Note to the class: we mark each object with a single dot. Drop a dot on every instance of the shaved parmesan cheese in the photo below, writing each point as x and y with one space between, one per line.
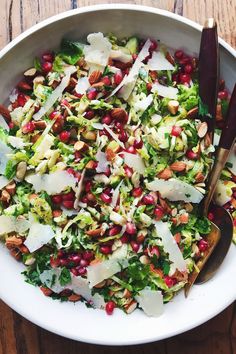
130 80
102 161
174 190
82 85
143 104
223 192
4 124
52 183
4 152
115 195
12 224
151 301
120 56
170 245
17 142
117 218
165 91
121 84
98 126
113 135
98 52
79 190
38 236
104 270
135 162
158 61
56 94
69 212
3 182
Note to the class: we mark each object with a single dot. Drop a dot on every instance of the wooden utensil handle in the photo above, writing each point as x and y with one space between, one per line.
228 134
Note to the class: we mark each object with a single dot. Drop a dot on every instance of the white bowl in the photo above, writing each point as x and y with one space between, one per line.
77 321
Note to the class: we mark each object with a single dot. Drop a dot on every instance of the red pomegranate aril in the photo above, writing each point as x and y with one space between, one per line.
124 238
64 262
149 86
54 262
68 204
57 199
202 245
138 144
153 45
190 154
128 171
118 77
84 263
137 192
176 130
188 69
84 199
46 66
21 99
210 216
64 136
108 171
82 271
158 212
185 60
154 251
54 115
88 255
89 114
223 95
76 258
60 254
28 128
68 196
71 171
131 149
123 137
175 77
107 119
184 78
11 125
115 230
130 228
105 249
88 186
92 94
148 199
75 271
110 306
106 80
169 281
48 56
135 246
179 54
106 198
78 156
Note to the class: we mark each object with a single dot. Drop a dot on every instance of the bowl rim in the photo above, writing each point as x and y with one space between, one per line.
35 28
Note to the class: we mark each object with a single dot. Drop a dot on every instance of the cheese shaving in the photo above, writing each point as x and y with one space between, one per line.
98 52
165 91
39 235
151 301
158 61
82 85
11 224
114 136
135 162
102 161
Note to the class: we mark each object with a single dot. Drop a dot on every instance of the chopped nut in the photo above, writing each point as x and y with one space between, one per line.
96 233
192 114
24 86
74 297
173 106
188 207
207 140
38 80
100 285
95 76
40 124
99 85
11 188
127 294
144 259
199 177
118 114
91 165
89 135
165 174
21 170
46 291
81 146
13 241
5 113
178 166
129 308
5 196
30 73
202 129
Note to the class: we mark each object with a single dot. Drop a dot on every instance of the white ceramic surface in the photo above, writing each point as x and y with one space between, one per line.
77 321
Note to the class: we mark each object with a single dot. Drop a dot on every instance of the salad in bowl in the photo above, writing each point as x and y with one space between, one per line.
103 165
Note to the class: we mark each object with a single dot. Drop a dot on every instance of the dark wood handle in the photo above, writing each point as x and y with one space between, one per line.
228 134
209 70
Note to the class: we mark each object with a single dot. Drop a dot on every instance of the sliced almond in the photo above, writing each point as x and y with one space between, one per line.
188 207
5 113
74 297
95 77
207 140
199 177
100 285
81 146
173 106
202 129
40 124
165 174
178 166
99 85
13 241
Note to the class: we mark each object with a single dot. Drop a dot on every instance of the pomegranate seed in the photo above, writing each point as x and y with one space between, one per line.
138 144
124 238
115 230
137 192
71 171
154 251
57 199
55 115
128 171
64 102
188 69
135 246
153 45
54 262
89 114
210 216
11 125
118 77
169 281
48 56
88 186
176 131
108 171
179 54
202 245
84 263
223 95
28 128
64 136
184 78
78 156
68 196
88 255
148 86
75 271
75 258
60 254
105 249
110 305
190 154
123 136
82 271
131 149
68 204
130 228
148 199
21 99
92 94
107 119
84 199
105 198
158 212
46 66
175 77
64 262
185 60
106 80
